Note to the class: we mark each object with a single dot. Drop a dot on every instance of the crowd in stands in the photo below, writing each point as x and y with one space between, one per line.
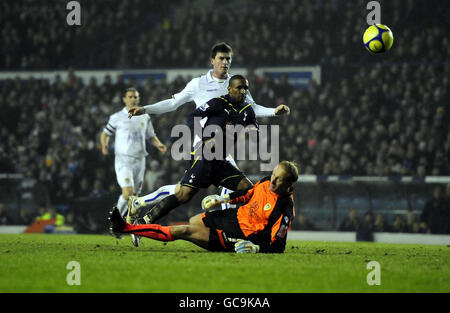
154 33
433 218
364 118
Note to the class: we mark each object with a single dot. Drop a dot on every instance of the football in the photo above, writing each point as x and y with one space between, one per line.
378 38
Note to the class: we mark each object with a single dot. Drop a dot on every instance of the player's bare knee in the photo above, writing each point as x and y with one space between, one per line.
196 220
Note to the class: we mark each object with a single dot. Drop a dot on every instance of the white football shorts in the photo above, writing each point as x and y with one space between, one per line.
130 172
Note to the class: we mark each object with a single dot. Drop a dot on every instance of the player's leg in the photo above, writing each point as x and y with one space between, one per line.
123 199
137 203
195 233
245 183
228 176
124 175
197 176
138 179
224 190
162 208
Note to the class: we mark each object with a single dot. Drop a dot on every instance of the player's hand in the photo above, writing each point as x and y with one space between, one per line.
245 246
210 201
162 148
210 143
282 109
105 150
135 111
250 129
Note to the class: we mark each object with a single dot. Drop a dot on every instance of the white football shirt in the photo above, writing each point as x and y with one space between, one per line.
130 135
200 90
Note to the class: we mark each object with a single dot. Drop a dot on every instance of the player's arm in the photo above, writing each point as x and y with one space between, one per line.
151 135
104 140
234 197
277 232
278 244
107 132
252 124
158 144
210 108
196 118
167 105
261 111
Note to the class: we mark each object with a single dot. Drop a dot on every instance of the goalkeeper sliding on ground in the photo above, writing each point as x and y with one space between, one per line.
259 225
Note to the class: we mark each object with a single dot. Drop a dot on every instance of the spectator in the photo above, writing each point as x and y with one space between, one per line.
25 217
302 223
380 224
413 225
399 225
4 218
52 214
365 229
351 222
436 213
98 190
398 126
153 175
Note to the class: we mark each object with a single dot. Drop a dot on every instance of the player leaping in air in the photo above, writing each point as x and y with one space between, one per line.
260 225
200 89
206 170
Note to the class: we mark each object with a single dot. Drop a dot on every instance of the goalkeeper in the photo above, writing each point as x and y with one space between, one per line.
259 225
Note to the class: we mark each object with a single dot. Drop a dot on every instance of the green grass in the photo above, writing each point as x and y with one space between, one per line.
37 263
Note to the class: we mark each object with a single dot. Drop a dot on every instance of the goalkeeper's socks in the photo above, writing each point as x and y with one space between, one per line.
157 195
161 209
153 231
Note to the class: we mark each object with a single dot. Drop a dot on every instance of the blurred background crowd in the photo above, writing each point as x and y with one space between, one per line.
383 115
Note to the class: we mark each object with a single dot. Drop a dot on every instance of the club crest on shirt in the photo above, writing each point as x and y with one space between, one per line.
267 207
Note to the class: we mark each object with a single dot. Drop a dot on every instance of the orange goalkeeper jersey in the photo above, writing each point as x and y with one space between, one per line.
266 216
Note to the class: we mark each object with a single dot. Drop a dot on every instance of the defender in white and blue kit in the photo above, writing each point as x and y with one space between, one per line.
129 147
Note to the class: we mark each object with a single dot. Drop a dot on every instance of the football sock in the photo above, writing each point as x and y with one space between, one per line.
157 195
225 206
161 209
153 231
122 206
224 190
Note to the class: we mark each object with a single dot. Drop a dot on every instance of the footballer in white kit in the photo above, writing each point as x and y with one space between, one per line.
200 90
129 147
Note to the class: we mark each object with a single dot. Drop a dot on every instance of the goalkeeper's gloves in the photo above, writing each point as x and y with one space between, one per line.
212 200
245 246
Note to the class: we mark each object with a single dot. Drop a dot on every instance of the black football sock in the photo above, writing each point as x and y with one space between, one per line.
161 209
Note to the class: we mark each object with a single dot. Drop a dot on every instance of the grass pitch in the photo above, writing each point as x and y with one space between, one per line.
37 263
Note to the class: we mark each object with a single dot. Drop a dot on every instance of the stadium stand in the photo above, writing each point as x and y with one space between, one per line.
366 118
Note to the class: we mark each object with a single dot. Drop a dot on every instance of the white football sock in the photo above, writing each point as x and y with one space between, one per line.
225 206
155 196
122 206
